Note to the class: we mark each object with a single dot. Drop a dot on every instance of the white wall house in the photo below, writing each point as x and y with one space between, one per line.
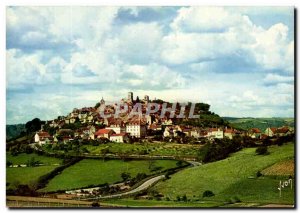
42 137
136 130
117 128
168 132
119 138
215 133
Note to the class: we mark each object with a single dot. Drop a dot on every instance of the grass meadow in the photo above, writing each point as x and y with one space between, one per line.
233 178
23 158
25 175
95 172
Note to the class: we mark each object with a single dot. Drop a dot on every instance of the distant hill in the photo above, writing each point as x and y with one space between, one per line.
261 123
13 131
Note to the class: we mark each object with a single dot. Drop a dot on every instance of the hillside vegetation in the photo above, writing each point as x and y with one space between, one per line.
261 123
13 131
233 178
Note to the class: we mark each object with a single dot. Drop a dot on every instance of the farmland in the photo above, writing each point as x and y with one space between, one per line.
25 175
232 178
28 175
23 158
95 172
283 168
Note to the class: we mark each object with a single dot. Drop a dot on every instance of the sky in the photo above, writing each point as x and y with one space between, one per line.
240 60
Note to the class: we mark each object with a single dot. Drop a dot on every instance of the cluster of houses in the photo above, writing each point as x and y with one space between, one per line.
116 132
196 132
123 128
270 132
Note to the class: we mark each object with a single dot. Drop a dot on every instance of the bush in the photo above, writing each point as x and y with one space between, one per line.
208 193
262 150
236 199
184 198
9 163
258 174
95 204
229 201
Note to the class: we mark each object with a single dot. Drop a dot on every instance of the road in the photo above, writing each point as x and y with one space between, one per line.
142 187
194 163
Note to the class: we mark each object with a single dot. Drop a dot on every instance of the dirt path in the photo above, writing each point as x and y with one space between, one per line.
278 206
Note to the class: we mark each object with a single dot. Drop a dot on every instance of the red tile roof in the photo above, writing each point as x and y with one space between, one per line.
255 130
282 130
44 134
103 131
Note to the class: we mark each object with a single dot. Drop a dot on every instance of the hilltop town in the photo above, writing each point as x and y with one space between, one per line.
88 124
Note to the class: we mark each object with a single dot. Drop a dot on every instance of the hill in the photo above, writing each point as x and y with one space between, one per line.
13 131
261 123
233 178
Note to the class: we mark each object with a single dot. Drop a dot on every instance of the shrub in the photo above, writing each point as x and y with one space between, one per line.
262 150
184 198
208 193
8 163
258 174
95 204
229 201
237 199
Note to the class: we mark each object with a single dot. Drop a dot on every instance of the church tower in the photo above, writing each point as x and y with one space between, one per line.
102 102
130 97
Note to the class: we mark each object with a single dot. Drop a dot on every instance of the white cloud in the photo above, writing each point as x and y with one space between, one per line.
152 76
135 43
207 33
204 19
180 48
272 49
23 69
275 78
83 26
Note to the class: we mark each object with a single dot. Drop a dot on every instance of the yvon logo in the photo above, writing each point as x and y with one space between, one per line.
283 184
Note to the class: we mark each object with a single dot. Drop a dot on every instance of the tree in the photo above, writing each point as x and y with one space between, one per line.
9 163
125 176
208 193
32 162
34 125
179 163
97 105
262 150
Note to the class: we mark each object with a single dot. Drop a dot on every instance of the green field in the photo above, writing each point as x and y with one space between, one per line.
28 175
161 149
23 158
95 172
233 177
25 175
